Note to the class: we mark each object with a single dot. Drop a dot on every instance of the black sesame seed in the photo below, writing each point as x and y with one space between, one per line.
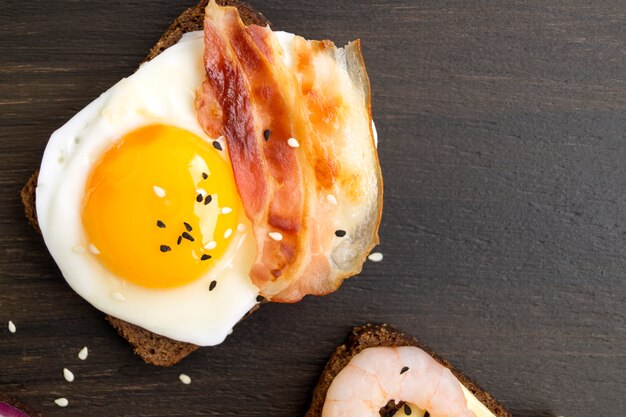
199 198
208 199
188 237
160 224
266 134
407 410
217 145
426 414
340 233
406 368
180 239
205 175
212 285
188 226
165 248
205 257
260 298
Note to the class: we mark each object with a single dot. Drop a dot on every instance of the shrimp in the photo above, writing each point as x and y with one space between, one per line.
378 375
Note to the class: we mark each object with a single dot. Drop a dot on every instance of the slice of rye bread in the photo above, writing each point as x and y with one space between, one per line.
4 399
152 348
373 335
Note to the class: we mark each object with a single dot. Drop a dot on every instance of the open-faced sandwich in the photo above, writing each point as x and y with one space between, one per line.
238 164
383 372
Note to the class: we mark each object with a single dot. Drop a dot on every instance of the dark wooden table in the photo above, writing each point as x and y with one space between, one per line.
503 146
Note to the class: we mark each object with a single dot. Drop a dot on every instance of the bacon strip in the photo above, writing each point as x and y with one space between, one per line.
249 90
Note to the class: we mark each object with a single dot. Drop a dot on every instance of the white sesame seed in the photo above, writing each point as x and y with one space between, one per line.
331 199
241 227
201 191
211 245
375 257
117 296
275 236
185 379
226 210
293 142
375 134
93 249
68 375
12 327
61 402
158 191
227 233
84 352
78 249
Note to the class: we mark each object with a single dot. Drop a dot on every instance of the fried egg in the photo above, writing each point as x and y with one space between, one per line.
139 207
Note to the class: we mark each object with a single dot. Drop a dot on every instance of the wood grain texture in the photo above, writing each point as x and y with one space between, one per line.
502 129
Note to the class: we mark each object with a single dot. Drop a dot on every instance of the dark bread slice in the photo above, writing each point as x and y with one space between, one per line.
152 348
372 335
19 405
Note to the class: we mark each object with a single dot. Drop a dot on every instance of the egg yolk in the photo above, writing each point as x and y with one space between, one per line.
160 207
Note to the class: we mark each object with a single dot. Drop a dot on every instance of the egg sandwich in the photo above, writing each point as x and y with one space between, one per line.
237 165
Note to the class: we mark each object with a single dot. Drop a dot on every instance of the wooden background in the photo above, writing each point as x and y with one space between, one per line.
503 146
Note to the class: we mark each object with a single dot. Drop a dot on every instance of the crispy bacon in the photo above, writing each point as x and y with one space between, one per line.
322 100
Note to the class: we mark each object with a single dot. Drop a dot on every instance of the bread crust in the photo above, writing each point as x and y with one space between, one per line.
152 348
374 335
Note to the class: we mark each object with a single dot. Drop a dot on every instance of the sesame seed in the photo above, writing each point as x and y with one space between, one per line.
340 233
199 198
404 369
117 296
217 145
293 142
226 210
158 191
78 249
185 379
212 285
84 352
211 245
205 257
179 240
266 134
241 227
92 248
208 199
375 257
227 233
188 237
61 402
12 327
160 224
276 236
331 199
205 175
68 375
260 298
165 248
407 410
188 226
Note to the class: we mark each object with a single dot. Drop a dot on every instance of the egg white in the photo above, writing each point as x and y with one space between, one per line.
162 91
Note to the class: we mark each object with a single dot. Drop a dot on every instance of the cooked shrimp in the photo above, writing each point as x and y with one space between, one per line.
378 375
